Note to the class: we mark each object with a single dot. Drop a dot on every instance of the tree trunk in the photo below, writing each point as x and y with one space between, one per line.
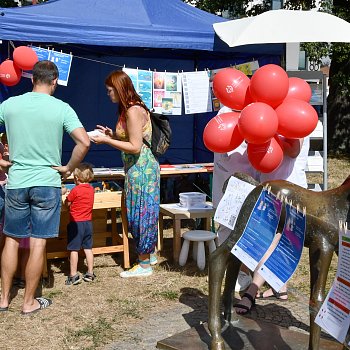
338 103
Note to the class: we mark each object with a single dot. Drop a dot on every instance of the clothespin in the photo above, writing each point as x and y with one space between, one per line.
340 224
278 194
268 189
124 65
298 207
61 51
304 211
291 202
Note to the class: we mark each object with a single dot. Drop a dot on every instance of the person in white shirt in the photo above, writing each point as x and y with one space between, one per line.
291 169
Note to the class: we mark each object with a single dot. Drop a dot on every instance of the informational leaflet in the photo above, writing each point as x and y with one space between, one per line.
142 81
62 60
197 96
334 314
283 261
167 93
231 202
259 231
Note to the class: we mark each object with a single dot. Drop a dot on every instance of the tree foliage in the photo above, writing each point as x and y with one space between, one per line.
338 102
13 3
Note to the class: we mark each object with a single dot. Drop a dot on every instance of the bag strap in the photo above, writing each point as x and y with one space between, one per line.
146 143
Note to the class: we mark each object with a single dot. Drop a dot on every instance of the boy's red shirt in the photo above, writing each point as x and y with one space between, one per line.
82 202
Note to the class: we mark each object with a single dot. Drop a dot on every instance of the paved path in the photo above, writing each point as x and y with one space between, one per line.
191 310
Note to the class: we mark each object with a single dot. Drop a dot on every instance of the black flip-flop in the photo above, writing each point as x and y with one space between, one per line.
244 307
4 309
43 304
274 296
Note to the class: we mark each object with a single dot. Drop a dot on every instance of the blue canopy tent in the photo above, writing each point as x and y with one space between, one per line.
106 35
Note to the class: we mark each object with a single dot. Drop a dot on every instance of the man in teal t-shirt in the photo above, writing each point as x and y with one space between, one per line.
35 123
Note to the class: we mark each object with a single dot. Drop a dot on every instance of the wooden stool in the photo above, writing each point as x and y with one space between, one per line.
177 213
198 237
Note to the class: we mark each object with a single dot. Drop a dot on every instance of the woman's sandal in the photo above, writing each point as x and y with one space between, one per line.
244 307
275 295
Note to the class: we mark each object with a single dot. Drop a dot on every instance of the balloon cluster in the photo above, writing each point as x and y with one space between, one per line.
267 106
24 58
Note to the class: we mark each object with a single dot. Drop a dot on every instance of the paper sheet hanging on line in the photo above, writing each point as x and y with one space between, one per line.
259 231
231 202
334 314
197 96
167 93
283 261
62 60
142 81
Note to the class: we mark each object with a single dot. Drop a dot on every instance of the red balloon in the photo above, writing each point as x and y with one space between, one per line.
10 74
258 123
221 133
230 86
25 57
296 118
269 84
266 157
300 89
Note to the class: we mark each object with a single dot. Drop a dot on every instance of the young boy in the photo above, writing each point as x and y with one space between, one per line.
79 231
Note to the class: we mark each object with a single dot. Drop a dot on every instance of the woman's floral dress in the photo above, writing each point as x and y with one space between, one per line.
142 188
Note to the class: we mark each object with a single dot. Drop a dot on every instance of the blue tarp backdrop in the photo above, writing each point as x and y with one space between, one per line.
106 35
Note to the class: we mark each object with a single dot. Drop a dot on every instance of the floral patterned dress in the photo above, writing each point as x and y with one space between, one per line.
142 188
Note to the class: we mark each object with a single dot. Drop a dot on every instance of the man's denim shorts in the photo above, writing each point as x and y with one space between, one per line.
33 212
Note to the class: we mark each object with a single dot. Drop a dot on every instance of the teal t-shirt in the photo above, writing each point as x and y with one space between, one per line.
35 123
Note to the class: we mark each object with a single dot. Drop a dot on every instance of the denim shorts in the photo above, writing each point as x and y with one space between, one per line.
33 212
79 235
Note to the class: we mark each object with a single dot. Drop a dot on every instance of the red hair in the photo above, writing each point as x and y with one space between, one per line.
125 90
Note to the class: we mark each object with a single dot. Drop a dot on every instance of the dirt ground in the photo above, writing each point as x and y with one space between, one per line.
91 315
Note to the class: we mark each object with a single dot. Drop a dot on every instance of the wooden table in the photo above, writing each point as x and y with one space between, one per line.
104 211
165 171
178 214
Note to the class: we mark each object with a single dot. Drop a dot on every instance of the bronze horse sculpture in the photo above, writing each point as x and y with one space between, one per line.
324 210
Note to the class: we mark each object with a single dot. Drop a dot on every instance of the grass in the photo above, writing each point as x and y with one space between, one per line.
91 315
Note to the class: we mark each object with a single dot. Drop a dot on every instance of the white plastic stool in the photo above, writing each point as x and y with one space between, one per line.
198 237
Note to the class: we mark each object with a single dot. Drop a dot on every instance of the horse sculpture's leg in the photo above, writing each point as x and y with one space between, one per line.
230 283
217 265
320 255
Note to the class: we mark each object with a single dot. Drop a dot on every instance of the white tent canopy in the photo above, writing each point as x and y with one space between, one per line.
284 26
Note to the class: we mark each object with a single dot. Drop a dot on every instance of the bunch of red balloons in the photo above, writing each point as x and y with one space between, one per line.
267 106
24 58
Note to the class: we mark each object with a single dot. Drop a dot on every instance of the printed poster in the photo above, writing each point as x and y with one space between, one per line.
334 314
197 95
142 81
167 93
232 201
259 231
282 263
62 60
